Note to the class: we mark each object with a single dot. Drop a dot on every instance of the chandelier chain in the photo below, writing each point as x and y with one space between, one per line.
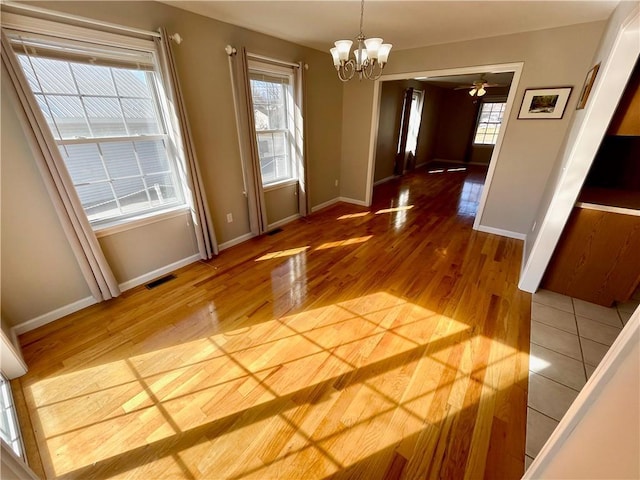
361 16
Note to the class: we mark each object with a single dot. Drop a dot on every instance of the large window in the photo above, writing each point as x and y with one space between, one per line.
272 96
102 107
489 122
9 431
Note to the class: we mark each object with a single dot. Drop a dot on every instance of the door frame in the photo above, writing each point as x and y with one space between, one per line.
515 67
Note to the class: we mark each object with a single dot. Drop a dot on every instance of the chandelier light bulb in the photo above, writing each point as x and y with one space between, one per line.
373 44
383 52
344 47
336 56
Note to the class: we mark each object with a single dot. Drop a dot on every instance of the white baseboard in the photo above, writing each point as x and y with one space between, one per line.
53 315
284 221
235 241
88 301
353 201
501 232
147 277
322 205
385 180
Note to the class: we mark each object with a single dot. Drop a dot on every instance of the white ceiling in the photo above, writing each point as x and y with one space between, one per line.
405 24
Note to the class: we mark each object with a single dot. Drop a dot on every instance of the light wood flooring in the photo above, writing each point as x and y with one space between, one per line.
373 343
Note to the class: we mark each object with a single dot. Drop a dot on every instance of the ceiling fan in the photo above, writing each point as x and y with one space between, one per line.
478 87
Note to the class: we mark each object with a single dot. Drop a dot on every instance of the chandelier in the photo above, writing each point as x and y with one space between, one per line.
369 57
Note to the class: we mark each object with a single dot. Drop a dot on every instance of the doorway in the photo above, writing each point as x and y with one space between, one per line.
513 69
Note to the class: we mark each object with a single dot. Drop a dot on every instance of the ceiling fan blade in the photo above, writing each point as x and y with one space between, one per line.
464 87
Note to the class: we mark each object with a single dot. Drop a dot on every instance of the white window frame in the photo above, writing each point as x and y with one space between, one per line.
260 67
74 34
487 101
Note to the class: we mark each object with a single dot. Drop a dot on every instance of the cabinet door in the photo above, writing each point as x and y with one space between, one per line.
597 258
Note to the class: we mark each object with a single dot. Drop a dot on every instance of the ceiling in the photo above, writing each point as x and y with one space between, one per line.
405 24
454 81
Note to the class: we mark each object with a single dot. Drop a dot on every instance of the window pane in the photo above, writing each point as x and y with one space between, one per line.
132 83
152 156
161 189
29 73
84 163
9 430
120 159
93 80
68 114
97 199
140 116
54 75
132 194
105 117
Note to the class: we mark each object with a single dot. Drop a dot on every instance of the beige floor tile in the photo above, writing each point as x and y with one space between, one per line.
553 299
625 316
590 369
554 317
539 429
527 462
629 306
555 339
593 351
557 367
596 331
598 313
549 397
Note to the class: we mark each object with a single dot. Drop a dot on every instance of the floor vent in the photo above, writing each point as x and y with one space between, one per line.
274 231
160 281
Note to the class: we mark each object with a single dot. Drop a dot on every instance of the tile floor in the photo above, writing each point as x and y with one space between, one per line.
569 337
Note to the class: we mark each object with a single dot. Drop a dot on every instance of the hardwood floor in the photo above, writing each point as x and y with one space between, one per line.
384 342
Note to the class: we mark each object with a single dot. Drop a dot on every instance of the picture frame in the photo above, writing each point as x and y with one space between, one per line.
586 88
544 103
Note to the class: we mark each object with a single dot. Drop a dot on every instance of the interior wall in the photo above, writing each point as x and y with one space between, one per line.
553 57
30 266
577 164
457 120
281 203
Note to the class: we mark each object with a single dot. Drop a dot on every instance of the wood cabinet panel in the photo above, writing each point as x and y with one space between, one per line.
597 258
626 119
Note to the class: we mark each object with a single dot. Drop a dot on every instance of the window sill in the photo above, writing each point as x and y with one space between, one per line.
281 184
112 228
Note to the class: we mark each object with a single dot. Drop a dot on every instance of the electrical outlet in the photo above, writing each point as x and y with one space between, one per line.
229 218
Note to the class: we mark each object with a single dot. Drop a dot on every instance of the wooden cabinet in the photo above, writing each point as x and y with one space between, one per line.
626 119
597 258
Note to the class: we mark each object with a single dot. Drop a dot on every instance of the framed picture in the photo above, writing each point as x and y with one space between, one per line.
544 103
586 88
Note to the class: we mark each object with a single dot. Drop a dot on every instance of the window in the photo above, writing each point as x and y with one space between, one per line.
103 109
9 431
272 95
489 122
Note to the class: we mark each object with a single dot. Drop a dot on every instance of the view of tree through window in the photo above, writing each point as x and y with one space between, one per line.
271 110
107 123
489 123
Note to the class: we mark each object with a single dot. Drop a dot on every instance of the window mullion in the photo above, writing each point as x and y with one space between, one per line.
81 99
109 179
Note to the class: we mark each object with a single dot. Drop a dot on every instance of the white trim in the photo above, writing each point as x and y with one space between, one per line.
13 466
235 241
322 205
53 315
140 221
70 32
147 277
388 179
589 126
255 56
354 201
501 232
581 406
279 184
13 365
284 221
76 18
373 140
608 208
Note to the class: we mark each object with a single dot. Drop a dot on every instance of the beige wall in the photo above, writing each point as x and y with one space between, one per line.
554 57
281 203
39 271
31 265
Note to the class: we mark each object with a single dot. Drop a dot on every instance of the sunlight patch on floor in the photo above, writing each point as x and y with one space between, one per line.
275 382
